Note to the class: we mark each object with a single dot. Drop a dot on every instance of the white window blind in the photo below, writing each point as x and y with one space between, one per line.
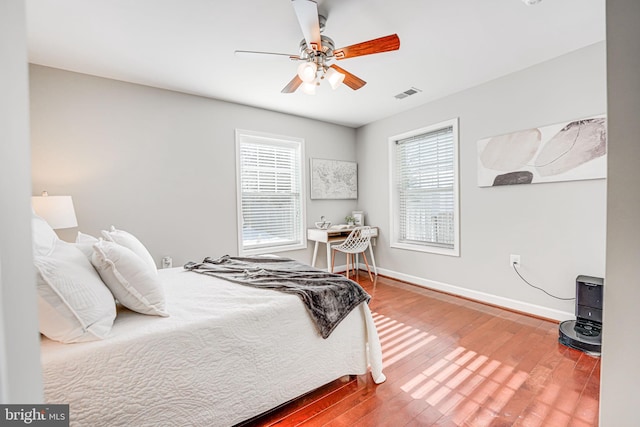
270 193
425 184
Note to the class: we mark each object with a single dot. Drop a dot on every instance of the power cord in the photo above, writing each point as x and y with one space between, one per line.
514 265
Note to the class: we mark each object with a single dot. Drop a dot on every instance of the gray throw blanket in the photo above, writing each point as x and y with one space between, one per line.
328 297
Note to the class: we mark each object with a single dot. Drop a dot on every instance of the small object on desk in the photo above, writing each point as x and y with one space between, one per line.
350 220
340 227
358 216
322 224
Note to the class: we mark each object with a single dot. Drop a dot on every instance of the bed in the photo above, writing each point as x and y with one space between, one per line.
226 353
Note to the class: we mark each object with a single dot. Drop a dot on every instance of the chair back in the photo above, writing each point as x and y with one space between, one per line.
357 241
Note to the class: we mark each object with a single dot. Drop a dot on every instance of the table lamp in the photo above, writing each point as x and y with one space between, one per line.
58 211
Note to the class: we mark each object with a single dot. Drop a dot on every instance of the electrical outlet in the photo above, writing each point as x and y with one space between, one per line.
514 259
167 262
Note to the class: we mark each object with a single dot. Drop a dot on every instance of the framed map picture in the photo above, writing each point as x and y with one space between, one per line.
334 179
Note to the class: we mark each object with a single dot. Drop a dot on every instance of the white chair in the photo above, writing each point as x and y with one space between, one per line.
357 242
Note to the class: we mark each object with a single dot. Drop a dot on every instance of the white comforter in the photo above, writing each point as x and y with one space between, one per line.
226 353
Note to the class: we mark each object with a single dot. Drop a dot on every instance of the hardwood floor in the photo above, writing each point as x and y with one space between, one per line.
455 362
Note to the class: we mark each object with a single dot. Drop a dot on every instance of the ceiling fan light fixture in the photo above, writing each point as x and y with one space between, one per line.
307 71
317 50
335 78
309 88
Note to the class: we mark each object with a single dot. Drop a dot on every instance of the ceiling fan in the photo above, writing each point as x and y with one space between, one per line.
318 51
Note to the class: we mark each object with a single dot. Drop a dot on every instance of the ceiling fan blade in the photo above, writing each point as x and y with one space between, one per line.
307 13
379 45
350 80
255 53
292 85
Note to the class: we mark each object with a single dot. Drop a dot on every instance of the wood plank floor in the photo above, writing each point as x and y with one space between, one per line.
455 362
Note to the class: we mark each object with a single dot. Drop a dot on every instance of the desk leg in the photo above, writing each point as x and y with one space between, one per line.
373 260
315 254
329 257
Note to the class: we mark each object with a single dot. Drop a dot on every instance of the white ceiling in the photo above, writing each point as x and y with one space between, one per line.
188 45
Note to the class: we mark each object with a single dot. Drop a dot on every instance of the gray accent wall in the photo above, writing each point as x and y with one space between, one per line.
620 380
160 164
558 229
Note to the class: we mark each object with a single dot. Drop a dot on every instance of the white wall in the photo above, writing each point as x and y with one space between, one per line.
20 377
557 228
157 163
620 380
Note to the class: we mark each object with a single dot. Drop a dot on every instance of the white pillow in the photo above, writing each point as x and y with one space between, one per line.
43 236
73 303
85 243
130 241
130 279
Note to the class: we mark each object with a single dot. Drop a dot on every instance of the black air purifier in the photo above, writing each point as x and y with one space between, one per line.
585 333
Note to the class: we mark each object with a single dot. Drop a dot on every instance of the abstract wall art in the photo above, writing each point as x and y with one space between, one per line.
568 151
334 179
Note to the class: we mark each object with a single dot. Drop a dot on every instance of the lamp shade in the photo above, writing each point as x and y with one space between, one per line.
56 210
307 71
309 88
335 78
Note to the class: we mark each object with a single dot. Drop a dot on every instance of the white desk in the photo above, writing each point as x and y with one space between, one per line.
333 236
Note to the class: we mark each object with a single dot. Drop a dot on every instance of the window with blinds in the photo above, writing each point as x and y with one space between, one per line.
270 193
424 189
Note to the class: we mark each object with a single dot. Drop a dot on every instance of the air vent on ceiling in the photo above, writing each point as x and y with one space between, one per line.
407 93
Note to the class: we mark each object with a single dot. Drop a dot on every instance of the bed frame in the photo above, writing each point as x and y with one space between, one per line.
223 356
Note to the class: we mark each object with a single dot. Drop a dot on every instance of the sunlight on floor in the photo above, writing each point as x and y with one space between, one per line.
398 340
473 388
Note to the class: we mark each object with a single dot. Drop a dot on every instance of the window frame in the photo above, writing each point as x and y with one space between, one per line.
394 202
271 140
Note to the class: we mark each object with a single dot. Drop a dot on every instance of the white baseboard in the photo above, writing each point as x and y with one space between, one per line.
508 303
340 268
